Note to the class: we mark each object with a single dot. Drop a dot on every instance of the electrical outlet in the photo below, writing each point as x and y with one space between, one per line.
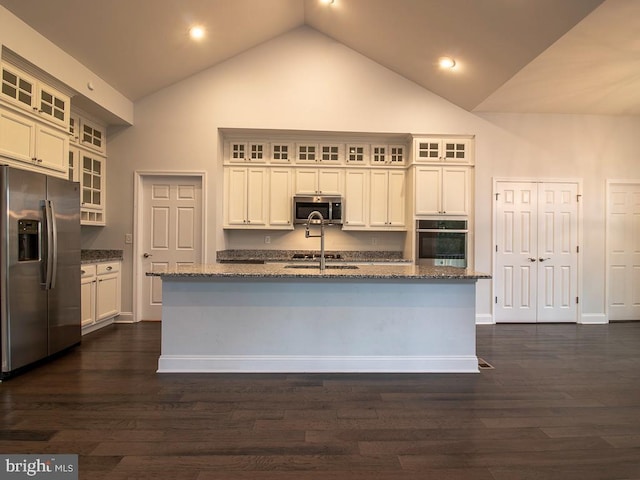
128 238
374 240
267 239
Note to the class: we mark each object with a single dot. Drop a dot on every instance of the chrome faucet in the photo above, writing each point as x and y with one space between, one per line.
307 234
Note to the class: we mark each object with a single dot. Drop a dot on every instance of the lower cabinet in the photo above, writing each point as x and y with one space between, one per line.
100 294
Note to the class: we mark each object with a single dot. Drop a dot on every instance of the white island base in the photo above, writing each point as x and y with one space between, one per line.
317 325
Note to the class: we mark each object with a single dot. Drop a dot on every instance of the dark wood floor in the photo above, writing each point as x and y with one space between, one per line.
563 402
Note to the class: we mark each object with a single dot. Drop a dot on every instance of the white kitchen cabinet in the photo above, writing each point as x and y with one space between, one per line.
51 148
88 294
92 135
327 153
17 136
92 177
442 150
316 181
100 294
280 193
356 199
386 155
35 145
246 197
107 290
442 190
34 97
246 152
357 154
282 152
387 199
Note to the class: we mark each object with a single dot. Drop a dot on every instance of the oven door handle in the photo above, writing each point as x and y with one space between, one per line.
440 230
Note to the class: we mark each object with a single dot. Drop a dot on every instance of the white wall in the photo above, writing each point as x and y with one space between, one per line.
305 80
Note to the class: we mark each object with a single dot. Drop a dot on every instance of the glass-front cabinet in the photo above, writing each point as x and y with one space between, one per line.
92 181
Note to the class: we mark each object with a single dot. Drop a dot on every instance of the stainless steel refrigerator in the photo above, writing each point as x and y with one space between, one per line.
39 267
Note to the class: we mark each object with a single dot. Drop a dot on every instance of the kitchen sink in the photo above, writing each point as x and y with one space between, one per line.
328 267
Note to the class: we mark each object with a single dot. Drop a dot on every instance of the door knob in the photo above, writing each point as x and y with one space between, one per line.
146 255
543 259
531 259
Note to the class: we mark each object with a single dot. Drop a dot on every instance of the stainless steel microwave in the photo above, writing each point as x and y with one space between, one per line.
330 206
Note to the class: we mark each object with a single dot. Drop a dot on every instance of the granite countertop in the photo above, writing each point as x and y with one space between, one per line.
333 270
262 256
96 256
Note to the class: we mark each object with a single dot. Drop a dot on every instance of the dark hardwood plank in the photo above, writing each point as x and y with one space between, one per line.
563 402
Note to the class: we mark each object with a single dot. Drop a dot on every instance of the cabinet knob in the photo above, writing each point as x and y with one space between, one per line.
109 268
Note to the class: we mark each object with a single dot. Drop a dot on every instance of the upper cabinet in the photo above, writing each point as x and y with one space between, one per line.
34 119
87 164
442 190
25 92
92 136
442 150
386 180
388 155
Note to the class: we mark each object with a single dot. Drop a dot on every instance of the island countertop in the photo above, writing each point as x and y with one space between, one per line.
333 270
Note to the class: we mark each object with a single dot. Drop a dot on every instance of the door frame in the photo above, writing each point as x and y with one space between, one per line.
494 233
607 280
138 191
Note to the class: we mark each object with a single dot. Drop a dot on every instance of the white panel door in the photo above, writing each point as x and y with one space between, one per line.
516 252
172 232
536 252
557 252
623 251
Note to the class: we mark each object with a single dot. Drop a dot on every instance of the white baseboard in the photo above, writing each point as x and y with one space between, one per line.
594 319
314 364
124 317
484 319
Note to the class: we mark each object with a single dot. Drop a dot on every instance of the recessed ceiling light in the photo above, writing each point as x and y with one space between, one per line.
196 32
447 63
327 2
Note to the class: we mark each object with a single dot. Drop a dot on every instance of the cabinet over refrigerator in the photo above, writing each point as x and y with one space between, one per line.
39 267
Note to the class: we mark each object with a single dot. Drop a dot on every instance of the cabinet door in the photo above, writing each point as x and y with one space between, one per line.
456 150
88 301
307 181
428 190
17 136
18 88
256 196
236 196
92 181
455 190
74 165
378 214
53 105
330 181
280 203
356 198
92 136
397 199
52 148
107 296
428 150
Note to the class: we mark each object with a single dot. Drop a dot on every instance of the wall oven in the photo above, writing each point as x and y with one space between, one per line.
441 242
331 208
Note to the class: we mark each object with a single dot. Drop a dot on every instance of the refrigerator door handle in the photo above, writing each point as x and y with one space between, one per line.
52 246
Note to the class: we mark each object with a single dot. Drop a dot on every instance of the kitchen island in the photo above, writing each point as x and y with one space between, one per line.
277 317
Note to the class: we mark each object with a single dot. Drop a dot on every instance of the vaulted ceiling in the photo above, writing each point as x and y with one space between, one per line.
547 56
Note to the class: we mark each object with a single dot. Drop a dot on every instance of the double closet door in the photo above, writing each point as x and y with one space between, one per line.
536 252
